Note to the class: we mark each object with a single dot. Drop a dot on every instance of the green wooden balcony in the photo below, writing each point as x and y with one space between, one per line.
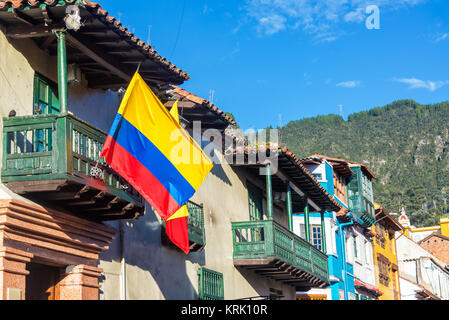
48 158
271 250
195 224
360 197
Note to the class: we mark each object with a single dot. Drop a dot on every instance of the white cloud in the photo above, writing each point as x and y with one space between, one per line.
272 24
348 84
441 37
321 19
424 84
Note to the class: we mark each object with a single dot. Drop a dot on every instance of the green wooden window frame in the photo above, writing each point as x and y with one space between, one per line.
255 202
45 95
210 285
46 99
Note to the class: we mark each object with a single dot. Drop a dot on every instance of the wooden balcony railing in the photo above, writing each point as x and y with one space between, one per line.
195 224
49 158
280 254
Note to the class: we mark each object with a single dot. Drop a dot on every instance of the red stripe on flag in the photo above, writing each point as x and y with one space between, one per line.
126 165
177 231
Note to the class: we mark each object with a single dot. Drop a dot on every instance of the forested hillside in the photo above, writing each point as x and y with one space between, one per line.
404 143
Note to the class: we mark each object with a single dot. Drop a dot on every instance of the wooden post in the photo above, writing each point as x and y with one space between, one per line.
289 208
323 233
307 221
269 193
62 71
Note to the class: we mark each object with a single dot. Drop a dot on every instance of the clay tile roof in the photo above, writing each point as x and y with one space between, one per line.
336 206
392 222
193 98
97 10
364 167
373 289
433 234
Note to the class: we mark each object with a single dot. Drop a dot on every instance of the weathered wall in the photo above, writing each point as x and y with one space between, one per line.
20 60
438 246
154 271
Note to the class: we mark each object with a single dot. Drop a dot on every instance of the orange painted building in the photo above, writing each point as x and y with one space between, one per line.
385 254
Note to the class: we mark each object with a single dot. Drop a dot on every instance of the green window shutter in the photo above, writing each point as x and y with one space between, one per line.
354 192
46 101
45 95
210 285
255 200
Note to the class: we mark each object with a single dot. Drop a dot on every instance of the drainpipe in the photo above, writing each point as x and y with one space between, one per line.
343 248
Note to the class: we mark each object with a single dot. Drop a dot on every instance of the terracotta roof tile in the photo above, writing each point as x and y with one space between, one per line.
97 10
364 167
193 98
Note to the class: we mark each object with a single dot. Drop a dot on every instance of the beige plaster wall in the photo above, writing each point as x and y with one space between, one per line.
20 60
154 271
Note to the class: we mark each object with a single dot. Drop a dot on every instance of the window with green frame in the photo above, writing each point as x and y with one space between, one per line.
363 297
45 96
210 285
45 101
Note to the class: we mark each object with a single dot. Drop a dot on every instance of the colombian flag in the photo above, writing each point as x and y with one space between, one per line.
176 226
150 149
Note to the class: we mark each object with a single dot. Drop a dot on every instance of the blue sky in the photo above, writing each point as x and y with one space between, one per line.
275 61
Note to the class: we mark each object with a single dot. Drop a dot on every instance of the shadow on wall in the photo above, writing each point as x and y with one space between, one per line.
154 271
264 288
218 171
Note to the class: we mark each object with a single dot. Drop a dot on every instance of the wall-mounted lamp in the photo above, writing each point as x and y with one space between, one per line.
73 19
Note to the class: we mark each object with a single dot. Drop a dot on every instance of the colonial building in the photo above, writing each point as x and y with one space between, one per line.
348 239
385 254
248 251
418 234
438 245
59 65
422 276
434 239
71 228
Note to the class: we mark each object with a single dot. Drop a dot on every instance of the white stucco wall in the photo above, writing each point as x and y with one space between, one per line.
420 267
363 263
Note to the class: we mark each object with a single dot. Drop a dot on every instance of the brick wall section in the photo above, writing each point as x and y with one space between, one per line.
438 245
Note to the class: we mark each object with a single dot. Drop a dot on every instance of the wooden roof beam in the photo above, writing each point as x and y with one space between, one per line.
48 17
29 32
23 17
95 54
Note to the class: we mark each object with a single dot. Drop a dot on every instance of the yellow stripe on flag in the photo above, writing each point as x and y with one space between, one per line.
181 213
156 124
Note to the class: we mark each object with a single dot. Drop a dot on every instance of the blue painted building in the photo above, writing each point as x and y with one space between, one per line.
334 176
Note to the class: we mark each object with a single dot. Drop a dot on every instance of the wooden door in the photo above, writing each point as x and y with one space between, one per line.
43 282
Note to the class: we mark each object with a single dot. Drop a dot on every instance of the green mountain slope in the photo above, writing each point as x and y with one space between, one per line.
405 144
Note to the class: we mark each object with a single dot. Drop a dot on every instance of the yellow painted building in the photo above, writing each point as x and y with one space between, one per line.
385 254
